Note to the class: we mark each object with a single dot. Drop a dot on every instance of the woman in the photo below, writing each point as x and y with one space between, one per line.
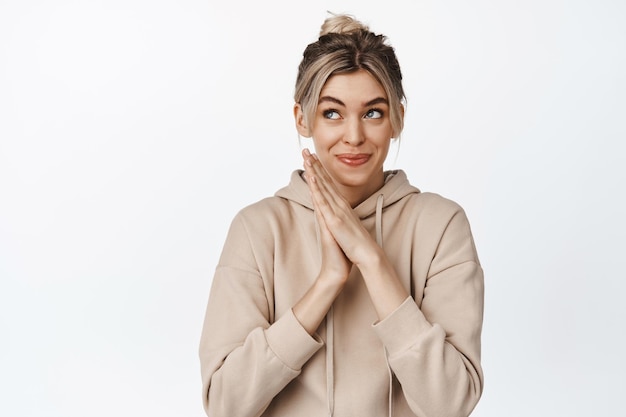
349 292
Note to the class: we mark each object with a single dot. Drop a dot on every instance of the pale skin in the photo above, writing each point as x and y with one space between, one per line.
351 133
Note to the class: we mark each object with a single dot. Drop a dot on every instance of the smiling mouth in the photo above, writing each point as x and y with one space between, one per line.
354 159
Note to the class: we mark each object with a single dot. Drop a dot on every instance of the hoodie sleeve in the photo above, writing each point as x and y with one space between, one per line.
246 357
434 350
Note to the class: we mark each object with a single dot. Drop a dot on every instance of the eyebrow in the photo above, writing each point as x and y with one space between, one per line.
331 99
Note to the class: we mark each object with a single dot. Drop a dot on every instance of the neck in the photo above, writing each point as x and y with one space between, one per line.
355 195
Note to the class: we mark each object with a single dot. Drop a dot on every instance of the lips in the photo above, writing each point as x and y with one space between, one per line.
353 159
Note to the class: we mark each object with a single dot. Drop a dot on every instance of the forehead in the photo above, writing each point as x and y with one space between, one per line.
359 86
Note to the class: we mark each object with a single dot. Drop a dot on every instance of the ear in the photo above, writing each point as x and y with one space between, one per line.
301 124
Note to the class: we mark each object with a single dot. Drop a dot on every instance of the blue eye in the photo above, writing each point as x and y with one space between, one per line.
373 114
331 114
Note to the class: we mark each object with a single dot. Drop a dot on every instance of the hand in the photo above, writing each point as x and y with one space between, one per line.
334 212
335 264
341 230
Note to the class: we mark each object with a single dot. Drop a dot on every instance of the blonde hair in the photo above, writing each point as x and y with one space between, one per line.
346 45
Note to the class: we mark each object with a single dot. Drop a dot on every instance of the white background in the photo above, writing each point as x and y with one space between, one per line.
132 131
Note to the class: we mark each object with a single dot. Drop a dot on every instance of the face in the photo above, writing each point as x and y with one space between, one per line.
351 132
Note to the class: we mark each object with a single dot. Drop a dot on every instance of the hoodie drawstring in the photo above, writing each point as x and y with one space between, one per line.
330 373
379 240
330 343
379 220
330 332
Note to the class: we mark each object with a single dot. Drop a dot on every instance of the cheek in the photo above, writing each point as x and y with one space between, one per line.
324 139
381 135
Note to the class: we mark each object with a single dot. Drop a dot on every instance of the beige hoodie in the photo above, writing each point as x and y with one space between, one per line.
422 360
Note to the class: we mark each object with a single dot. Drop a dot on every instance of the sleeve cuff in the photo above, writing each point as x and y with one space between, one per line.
290 342
401 329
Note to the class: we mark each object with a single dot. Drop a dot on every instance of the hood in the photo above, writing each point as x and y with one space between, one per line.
395 188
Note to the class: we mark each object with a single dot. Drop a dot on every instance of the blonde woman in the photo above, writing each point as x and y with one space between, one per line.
349 292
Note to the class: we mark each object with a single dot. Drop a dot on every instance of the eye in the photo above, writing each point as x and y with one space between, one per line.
374 114
331 114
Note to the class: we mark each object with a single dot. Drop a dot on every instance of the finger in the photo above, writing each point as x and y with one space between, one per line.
326 184
327 198
338 219
318 180
320 206
320 201
307 158
307 163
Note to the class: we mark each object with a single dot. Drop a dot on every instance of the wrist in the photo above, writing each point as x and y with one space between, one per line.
330 282
372 260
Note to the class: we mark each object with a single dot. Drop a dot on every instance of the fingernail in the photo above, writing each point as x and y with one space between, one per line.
306 152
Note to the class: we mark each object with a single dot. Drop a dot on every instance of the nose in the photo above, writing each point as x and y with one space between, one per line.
354 134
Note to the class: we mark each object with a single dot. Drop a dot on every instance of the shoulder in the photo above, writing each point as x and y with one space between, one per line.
269 215
399 191
431 216
262 209
440 224
255 228
433 204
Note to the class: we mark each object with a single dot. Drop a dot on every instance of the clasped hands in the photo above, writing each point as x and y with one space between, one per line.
344 242
343 238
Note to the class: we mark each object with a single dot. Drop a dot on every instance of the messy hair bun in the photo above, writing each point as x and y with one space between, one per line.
342 24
